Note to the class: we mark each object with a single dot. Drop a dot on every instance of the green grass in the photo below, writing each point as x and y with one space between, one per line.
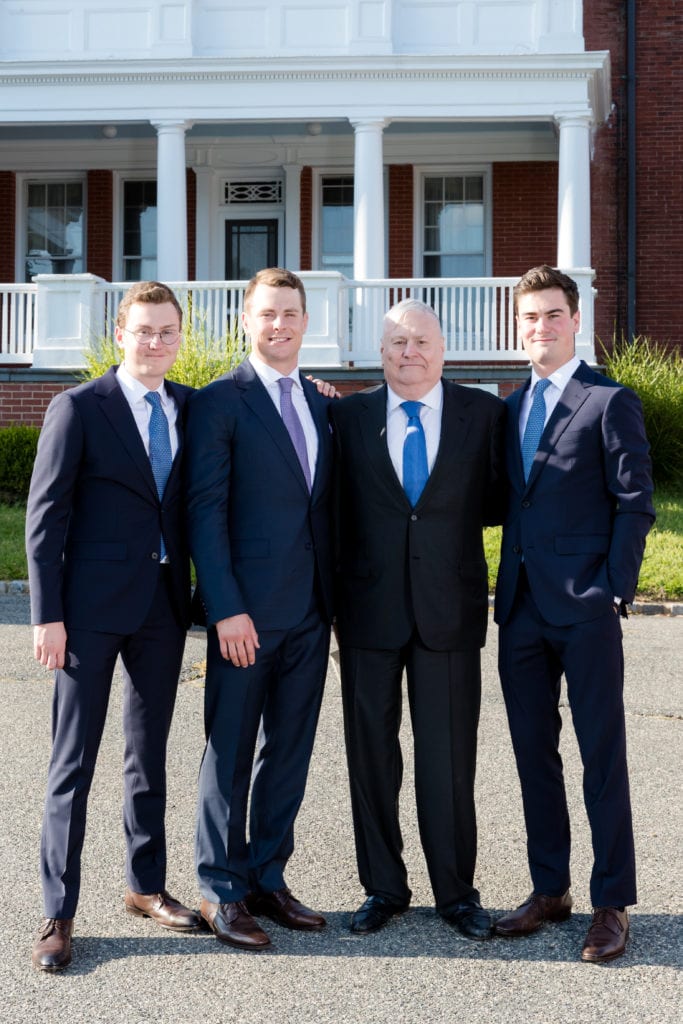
661 577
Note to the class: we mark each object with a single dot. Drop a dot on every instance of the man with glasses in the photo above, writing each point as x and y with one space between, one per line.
109 577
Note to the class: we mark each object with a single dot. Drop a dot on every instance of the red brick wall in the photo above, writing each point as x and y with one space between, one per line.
659 208
524 197
8 190
99 220
26 403
401 206
306 219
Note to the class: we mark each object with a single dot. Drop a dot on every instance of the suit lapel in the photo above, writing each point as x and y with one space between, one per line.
254 394
373 428
515 466
322 425
118 412
455 424
571 400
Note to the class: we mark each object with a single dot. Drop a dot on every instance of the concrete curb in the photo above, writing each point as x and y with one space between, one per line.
637 608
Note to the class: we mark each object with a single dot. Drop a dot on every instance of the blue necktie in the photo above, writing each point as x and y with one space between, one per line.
159 448
415 465
291 420
534 426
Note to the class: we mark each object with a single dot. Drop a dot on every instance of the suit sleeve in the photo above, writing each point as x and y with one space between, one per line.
53 482
209 433
628 473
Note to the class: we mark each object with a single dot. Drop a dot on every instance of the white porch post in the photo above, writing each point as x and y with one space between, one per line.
292 216
368 202
171 201
574 197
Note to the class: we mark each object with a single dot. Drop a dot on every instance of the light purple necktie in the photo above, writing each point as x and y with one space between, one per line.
293 424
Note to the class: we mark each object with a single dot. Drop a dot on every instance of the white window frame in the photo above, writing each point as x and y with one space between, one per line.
120 177
444 170
317 198
247 211
23 180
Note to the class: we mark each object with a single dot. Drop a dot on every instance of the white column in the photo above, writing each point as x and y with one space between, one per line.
205 239
574 192
292 216
368 202
171 201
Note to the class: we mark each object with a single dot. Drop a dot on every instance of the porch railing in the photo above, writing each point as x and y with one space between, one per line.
17 322
49 323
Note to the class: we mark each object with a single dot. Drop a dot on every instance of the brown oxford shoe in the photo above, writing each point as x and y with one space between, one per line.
52 944
607 935
280 906
163 910
531 915
232 923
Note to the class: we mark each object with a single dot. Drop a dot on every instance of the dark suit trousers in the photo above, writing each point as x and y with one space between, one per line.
151 660
444 694
532 657
260 726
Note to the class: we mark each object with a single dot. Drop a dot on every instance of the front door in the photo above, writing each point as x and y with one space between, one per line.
250 245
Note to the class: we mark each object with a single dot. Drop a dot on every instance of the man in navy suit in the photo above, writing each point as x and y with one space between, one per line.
258 492
579 512
109 576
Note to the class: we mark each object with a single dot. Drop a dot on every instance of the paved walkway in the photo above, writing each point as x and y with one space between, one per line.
417 970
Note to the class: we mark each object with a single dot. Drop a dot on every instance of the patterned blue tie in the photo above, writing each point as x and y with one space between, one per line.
415 465
534 426
291 420
160 454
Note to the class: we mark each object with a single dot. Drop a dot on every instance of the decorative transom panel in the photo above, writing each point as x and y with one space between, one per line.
253 192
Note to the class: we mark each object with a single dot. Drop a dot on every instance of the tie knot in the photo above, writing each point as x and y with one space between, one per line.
154 398
286 384
541 385
412 408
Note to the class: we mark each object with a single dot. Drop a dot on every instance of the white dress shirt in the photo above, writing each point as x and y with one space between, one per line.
269 378
558 382
397 423
135 391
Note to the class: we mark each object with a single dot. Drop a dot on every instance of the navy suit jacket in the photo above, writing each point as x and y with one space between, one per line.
257 536
580 521
94 519
400 568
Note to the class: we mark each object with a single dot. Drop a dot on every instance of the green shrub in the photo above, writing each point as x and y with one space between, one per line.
655 373
17 455
201 357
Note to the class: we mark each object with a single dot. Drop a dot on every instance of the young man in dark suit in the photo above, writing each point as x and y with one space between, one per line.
109 576
258 490
419 471
579 511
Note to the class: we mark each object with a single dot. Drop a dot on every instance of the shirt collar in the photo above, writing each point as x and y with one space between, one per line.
270 376
560 377
433 399
134 388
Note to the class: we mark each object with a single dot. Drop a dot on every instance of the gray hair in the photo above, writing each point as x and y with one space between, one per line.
399 310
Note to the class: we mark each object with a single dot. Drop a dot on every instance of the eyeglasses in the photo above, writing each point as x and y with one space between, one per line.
144 336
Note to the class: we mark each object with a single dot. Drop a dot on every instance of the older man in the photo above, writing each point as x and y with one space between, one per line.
419 463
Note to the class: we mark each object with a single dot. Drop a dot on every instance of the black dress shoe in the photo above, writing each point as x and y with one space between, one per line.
375 913
280 906
52 944
470 919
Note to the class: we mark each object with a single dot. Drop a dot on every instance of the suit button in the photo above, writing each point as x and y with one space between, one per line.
414 518
155 555
526 504
516 550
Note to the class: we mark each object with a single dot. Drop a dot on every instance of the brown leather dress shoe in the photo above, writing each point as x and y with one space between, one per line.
232 923
607 935
280 906
52 944
163 910
531 915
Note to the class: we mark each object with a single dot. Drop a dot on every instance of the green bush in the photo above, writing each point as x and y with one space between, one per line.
655 373
17 455
201 357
